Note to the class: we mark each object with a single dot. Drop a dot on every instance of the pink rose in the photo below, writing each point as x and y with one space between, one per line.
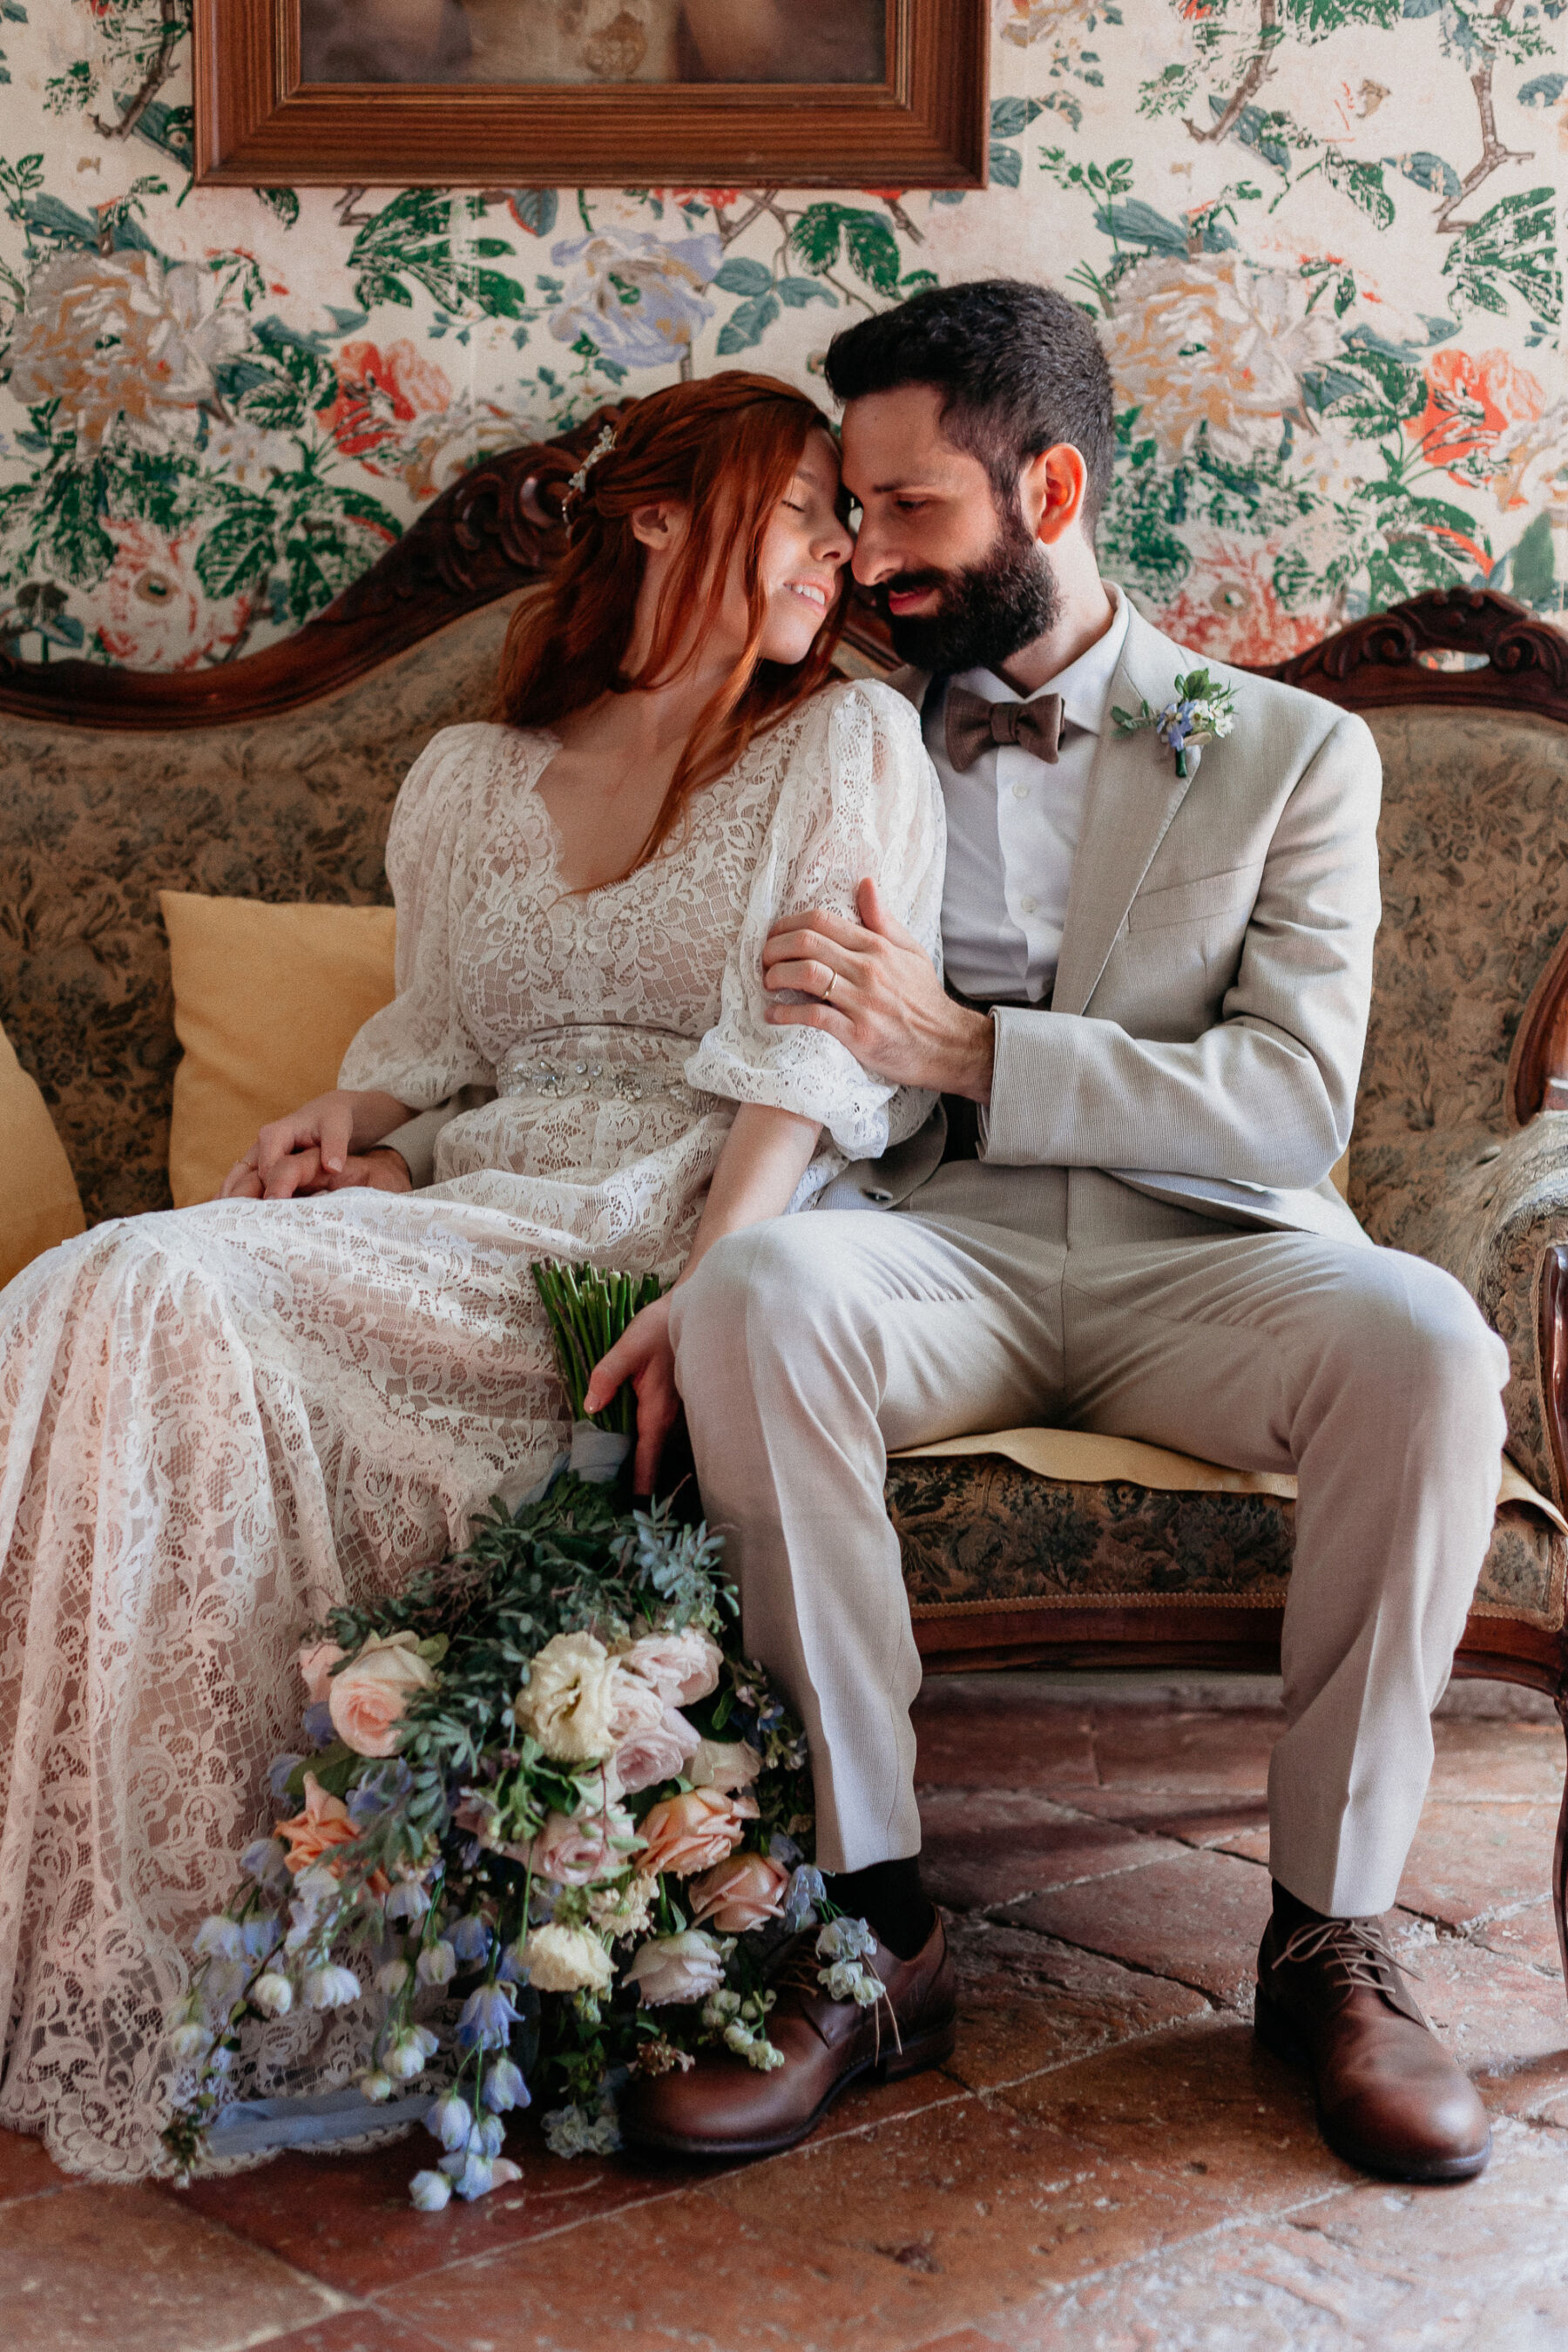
675 1968
368 1696
693 1832
723 1764
740 1894
647 1758
577 1852
634 1704
316 1664
682 1668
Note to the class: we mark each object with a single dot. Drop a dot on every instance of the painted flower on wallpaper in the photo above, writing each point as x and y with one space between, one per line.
1227 605
1472 399
1024 22
156 612
378 393
123 336
1206 338
1529 463
637 299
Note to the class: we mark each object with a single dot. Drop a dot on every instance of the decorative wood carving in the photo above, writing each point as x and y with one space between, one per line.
924 126
494 531
1521 663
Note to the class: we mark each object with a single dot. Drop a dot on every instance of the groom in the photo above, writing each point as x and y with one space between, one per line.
1122 1220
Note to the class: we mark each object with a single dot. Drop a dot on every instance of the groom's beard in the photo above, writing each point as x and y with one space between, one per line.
988 612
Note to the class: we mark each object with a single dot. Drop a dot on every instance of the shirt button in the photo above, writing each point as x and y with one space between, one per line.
1020 791
1025 905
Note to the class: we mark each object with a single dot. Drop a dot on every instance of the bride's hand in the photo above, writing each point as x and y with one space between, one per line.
311 1150
643 1355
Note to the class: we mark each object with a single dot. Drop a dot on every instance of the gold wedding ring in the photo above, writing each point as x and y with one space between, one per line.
827 992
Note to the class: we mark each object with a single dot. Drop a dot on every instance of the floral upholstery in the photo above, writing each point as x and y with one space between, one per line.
982 1533
93 824
1475 844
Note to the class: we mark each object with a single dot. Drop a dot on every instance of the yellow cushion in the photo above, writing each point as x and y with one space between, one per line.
39 1204
267 1000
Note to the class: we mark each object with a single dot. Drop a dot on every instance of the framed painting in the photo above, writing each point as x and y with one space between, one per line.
592 93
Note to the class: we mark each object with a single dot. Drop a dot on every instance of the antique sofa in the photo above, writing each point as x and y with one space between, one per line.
272 777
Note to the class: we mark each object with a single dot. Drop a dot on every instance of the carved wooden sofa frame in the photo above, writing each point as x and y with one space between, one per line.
1471 655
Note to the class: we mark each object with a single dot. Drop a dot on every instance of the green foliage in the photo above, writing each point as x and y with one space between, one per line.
1512 246
826 231
1532 570
283 201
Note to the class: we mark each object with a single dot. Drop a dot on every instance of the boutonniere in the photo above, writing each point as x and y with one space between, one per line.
1201 711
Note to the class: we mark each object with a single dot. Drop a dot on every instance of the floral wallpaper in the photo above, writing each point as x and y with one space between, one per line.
1321 238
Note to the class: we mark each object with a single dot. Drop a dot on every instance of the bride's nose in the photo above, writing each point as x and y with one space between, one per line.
835 545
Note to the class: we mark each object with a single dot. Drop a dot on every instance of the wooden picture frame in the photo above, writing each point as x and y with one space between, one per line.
258 122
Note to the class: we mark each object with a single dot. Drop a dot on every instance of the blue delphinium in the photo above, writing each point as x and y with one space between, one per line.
486 2020
504 2086
279 1774
471 1940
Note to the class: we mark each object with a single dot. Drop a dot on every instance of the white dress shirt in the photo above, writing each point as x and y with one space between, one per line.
1013 828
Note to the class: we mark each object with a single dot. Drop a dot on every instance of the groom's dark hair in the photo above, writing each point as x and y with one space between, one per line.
1019 369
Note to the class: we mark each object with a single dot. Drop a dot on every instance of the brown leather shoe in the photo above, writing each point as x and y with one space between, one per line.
722 2106
1390 2099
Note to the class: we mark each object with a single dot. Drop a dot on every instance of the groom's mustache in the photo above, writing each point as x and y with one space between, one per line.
908 583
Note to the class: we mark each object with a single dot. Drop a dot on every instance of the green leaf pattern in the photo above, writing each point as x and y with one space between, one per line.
1321 239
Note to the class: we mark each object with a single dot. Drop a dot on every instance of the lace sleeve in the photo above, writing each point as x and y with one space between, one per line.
418 1047
859 797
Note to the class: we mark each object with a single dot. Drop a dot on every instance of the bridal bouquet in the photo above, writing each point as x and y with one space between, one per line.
545 1825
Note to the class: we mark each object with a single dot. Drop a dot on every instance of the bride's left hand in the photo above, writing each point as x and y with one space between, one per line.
643 1355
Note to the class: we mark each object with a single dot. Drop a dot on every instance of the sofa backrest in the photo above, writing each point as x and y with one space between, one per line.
94 824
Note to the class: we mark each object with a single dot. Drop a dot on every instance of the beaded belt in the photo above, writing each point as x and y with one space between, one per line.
602 1081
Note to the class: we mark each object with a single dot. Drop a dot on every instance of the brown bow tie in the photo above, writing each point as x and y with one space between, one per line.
973 725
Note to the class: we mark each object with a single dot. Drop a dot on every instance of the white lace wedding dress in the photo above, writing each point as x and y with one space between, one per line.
220 1420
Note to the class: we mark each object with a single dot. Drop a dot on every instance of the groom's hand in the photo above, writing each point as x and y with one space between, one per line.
873 988
643 1355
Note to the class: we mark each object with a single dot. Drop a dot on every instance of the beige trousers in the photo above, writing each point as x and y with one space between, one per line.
809 1348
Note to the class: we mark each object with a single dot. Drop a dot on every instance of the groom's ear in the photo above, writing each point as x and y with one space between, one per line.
1051 490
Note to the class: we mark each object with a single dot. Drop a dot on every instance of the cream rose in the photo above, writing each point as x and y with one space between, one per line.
681 1667
578 1701
316 1664
676 1968
567 1959
366 1697
576 1852
723 1764
647 1758
740 1894
693 1832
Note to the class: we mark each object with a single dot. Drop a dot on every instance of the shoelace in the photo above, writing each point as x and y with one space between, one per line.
1358 1954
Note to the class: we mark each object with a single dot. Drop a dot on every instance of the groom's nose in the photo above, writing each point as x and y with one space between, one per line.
877 554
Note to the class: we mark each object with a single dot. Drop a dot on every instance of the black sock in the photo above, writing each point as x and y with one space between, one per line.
888 1897
1290 1911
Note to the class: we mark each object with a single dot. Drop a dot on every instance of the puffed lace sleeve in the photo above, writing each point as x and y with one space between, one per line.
859 797
418 1047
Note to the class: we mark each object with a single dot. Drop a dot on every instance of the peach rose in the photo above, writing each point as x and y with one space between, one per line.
368 1696
316 1666
324 1824
693 1832
740 1894
682 1668
646 1758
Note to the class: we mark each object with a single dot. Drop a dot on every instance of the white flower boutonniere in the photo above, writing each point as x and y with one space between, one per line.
1202 711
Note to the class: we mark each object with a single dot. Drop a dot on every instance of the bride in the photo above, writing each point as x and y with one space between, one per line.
219 1422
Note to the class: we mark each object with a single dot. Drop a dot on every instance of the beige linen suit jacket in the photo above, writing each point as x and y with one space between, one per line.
1205 1036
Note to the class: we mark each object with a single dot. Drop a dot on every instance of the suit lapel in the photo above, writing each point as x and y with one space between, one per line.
1134 791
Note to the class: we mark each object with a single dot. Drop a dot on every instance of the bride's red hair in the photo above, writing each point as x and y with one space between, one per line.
725 450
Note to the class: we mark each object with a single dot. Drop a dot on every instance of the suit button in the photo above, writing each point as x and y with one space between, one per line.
875 1192
1027 905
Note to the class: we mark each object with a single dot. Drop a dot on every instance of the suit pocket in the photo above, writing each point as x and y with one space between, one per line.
1211 895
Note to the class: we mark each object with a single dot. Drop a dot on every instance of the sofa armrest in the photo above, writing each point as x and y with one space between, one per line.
1493 1211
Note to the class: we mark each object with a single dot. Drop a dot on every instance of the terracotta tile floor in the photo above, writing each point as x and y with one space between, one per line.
1107 2163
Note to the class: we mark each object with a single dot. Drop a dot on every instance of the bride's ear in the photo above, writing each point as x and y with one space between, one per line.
660 527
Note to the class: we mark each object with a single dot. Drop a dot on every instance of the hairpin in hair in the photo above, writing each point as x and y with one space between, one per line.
578 482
